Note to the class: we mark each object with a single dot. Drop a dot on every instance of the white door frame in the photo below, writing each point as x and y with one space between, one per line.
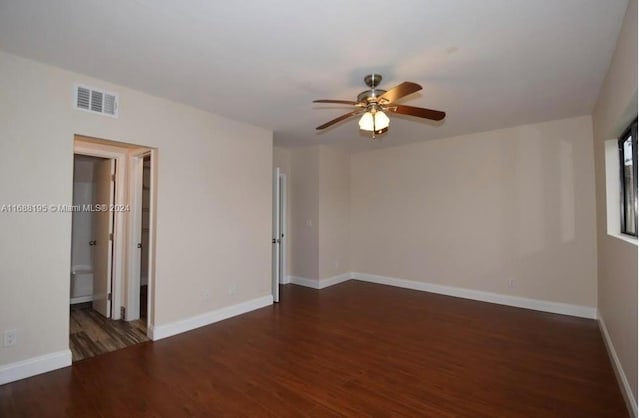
119 241
132 305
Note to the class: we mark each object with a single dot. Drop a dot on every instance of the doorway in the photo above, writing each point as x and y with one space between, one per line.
110 254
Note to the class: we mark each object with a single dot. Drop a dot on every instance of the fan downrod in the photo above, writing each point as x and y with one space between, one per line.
368 96
372 80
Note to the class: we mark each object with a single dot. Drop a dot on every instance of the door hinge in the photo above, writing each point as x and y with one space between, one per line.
113 177
110 236
109 296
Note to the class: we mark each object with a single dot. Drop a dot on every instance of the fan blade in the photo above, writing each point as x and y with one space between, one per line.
339 119
399 91
347 102
417 111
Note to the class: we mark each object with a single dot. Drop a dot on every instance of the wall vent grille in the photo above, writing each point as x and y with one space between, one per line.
95 101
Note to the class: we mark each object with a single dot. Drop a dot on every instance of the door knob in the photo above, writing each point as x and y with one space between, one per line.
92 243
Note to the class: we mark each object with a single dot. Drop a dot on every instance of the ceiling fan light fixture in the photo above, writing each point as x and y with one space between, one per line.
374 121
381 120
366 122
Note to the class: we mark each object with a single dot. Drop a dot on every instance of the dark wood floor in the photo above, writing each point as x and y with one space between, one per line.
355 349
91 334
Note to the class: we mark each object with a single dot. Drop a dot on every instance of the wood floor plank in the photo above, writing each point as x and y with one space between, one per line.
352 350
91 334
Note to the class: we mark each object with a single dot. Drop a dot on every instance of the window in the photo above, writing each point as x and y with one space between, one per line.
628 151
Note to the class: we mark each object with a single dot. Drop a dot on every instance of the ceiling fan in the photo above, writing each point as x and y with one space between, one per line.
372 105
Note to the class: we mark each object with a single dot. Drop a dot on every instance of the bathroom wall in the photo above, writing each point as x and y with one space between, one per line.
83 189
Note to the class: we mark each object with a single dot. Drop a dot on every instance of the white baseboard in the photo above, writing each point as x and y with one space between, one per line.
159 332
35 365
632 405
82 299
285 280
303 281
322 283
520 302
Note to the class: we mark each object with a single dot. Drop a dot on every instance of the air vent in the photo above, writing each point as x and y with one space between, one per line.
96 101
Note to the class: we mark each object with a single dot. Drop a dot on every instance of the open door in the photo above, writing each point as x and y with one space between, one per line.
136 189
103 236
282 274
275 262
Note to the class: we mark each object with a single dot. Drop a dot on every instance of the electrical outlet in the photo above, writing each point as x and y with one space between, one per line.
10 338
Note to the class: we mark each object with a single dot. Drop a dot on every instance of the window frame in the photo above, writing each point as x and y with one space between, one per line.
631 131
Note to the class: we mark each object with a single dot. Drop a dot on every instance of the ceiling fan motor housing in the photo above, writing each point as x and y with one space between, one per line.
372 80
369 96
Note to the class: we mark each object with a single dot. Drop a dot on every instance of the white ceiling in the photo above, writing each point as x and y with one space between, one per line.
489 64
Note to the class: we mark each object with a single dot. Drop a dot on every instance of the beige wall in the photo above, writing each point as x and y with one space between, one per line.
304 187
333 212
616 107
319 195
508 211
213 202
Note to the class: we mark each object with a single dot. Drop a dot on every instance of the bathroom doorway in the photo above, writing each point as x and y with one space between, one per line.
111 247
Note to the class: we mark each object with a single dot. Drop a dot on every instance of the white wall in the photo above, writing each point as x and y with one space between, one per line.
616 107
319 210
213 242
508 211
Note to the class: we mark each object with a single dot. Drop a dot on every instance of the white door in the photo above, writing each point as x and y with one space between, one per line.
103 238
133 285
275 262
283 229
